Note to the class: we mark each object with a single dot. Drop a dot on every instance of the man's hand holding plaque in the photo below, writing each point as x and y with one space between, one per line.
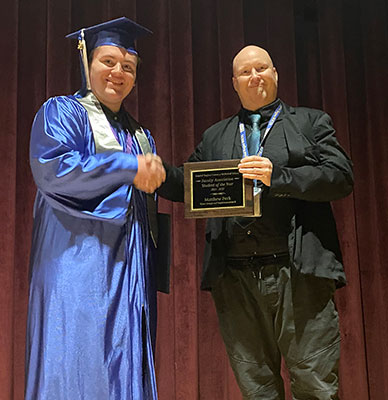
256 167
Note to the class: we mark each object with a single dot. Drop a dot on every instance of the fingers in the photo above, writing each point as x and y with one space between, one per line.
253 161
255 164
256 167
150 158
250 159
150 173
157 171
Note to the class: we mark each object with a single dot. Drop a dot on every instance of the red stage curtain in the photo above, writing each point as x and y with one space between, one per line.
330 54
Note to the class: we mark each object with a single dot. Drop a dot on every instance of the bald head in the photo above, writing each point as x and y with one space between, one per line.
254 77
250 52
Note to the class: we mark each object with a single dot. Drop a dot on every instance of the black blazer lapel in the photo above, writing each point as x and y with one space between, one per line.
294 138
229 138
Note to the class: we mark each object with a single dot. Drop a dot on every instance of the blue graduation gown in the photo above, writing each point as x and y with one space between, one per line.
92 299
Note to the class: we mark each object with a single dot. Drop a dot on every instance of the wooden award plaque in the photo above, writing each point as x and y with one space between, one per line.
217 189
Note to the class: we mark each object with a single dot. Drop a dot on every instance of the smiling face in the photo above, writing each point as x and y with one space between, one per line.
112 75
254 78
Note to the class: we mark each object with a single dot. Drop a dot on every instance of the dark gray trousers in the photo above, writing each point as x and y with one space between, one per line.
277 312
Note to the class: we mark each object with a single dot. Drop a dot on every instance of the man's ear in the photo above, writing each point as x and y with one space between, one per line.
276 74
234 82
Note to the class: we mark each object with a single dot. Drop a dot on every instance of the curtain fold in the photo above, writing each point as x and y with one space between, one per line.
329 54
8 159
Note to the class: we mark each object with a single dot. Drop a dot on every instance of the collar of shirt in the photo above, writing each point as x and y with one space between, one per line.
265 112
116 119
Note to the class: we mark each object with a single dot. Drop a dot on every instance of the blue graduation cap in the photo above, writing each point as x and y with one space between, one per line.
120 32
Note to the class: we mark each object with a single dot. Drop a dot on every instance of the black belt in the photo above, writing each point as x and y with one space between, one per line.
257 262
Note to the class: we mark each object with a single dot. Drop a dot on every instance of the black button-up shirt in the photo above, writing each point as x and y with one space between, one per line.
267 234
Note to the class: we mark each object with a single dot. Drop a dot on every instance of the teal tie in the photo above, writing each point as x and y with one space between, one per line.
254 137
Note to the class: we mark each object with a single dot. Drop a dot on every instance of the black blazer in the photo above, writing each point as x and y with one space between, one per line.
318 172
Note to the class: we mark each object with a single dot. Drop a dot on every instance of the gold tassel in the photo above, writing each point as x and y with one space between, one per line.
84 54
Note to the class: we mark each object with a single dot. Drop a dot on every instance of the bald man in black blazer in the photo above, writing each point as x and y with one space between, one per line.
273 277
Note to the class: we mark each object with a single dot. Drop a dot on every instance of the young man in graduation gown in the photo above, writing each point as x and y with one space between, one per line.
273 277
92 302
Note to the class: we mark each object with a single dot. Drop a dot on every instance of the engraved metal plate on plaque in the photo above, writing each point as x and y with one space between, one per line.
217 189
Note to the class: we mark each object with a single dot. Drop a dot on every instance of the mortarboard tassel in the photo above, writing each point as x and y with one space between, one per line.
84 57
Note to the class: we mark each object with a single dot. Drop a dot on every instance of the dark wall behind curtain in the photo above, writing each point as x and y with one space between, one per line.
330 54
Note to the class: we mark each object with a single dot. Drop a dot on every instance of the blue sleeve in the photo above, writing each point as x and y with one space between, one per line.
68 172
